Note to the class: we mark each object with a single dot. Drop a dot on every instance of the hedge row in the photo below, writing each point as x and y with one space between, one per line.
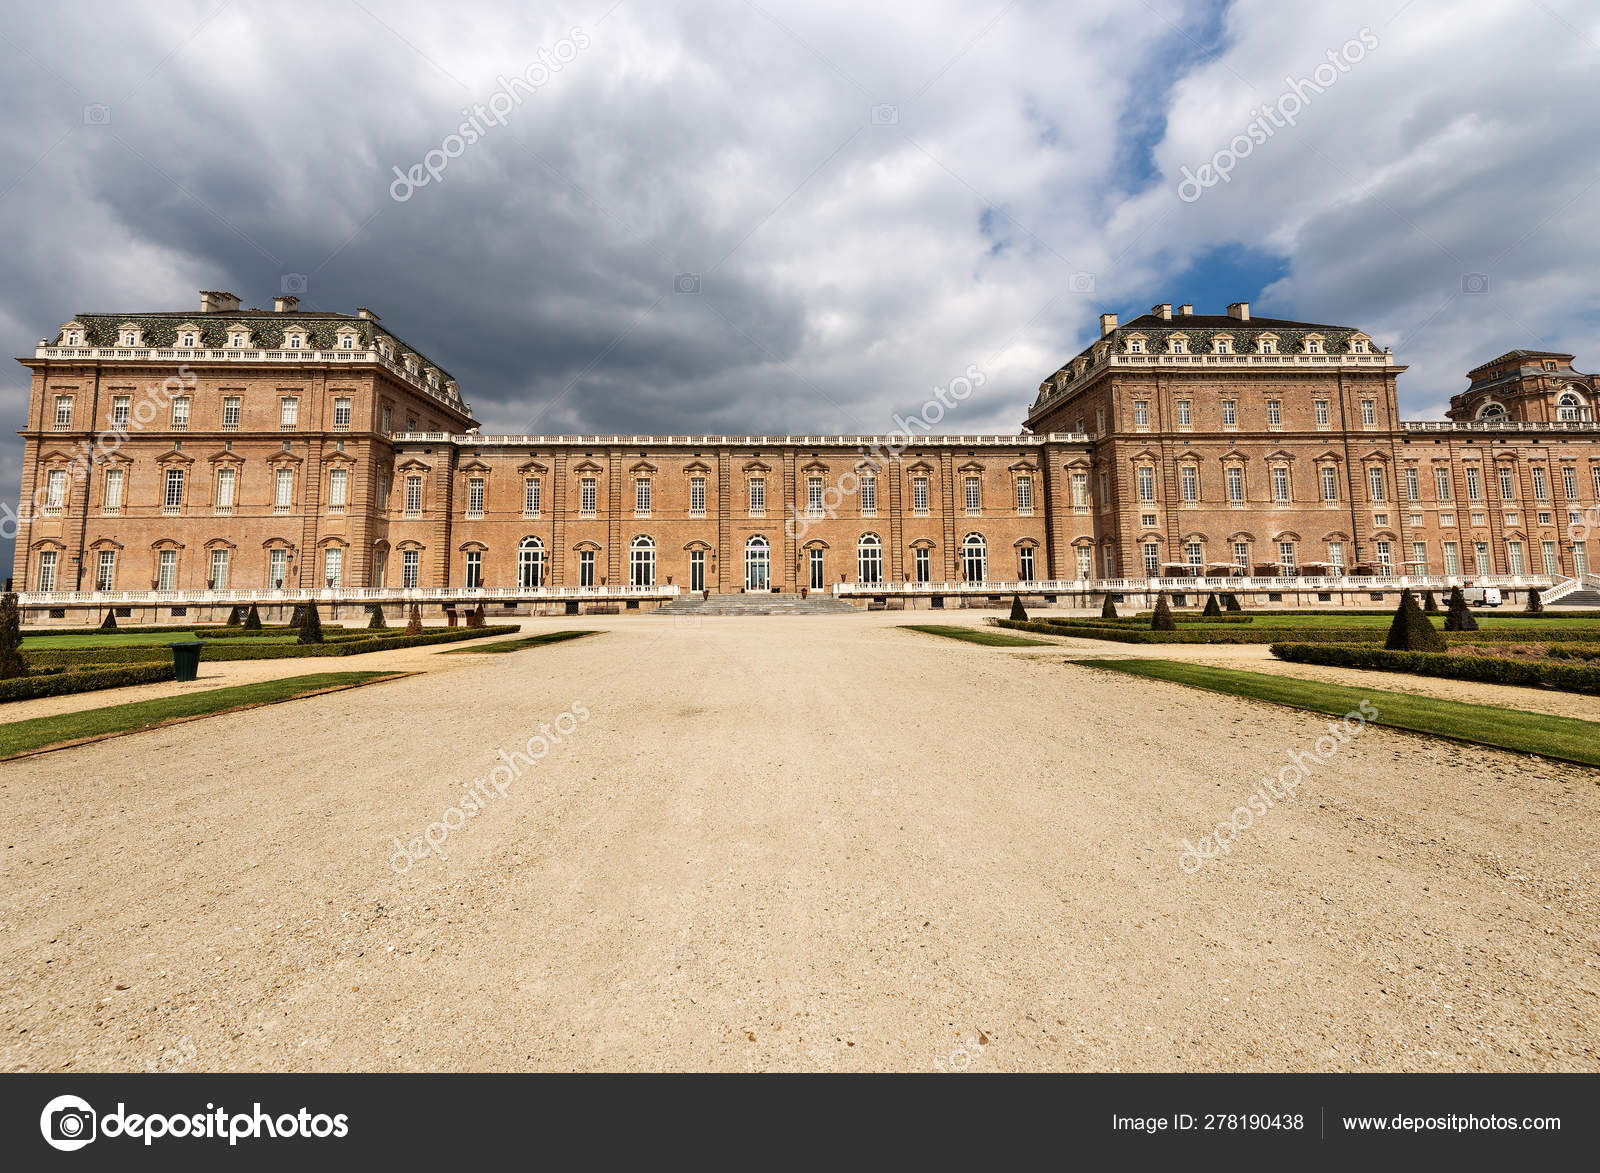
211 629
1487 669
58 683
1572 652
219 650
1190 635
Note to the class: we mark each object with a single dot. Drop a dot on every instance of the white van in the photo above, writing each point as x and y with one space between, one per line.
1482 596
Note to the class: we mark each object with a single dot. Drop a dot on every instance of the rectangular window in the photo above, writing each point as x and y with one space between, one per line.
1235 479
1385 558
1480 556
180 414
474 575
1230 413
219 570
1336 557
338 489
172 498
924 563
1152 559
1024 495
1241 555
974 495
1508 488
230 413
1025 563
1514 556
277 566
1474 484
1286 555
167 570
814 496
341 415
105 573
1413 493
586 568
47 570
63 419
697 496
758 496
383 499
288 414
1369 413
532 491
386 416
410 564
1375 483
1274 413
283 490
414 495
1552 564
1330 482
869 494
1569 482
919 495
1541 482
1441 483
1145 478
225 485
120 405
1322 413
641 495
55 492
1080 492
1280 484
1099 420
1189 484
1452 558
586 495
1183 413
1141 414
1194 555
1085 561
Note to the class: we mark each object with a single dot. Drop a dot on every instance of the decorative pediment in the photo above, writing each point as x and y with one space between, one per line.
587 467
1385 535
47 544
411 544
474 466
1287 535
697 468
1375 455
533 466
588 545
1235 456
817 467
696 545
166 544
186 335
1024 465
278 544
105 544
220 543
1279 456
1033 543
1336 536
477 546
412 464
1241 536
174 456
225 457
1328 457
971 466
288 460
920 466
1196 536
920 544
342 459
642 468
755 466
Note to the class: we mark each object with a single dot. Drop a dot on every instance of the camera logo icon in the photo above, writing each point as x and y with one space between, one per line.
1475 283
97 114
686 283
68 1123
1081 283
293 284
884 114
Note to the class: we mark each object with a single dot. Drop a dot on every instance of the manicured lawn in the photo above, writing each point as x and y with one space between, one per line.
986 636
1513 729
23 736
516 645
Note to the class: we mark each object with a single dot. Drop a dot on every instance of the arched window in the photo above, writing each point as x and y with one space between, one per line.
869 559
757 564
1569 407
974 558
1491 411
642 563
530 564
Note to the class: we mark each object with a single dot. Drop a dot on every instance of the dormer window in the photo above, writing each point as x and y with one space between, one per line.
1268 344
347 342
1358 347
238 339
1136 346
294 341
1313 347
1224 346
1178 345
130 338
186 340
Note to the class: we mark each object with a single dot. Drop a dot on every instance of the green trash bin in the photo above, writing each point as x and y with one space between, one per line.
186 659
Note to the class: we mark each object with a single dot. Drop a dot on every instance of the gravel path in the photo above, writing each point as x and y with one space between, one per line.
791 843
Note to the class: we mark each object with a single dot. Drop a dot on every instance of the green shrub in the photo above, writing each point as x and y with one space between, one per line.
1459 616
13 663
55 682
1212 608
1232 603
310 625
1535 603
1486 669
1411 631
1161 619
1573 652
252 620
1430 604
1108 609
376 623
414 624
109 623
235 616
1017 612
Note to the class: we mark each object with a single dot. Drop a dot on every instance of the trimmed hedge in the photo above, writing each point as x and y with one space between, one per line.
1269 633
1572 652
56 682
1486 669
212 630
217 651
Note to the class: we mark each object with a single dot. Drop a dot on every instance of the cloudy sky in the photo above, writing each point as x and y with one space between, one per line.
769 216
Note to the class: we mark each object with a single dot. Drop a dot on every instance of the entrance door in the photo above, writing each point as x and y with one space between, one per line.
757 565
817 581
697 570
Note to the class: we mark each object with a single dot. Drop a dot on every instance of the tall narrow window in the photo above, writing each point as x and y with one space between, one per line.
167 570
1336 557
1145 479
1475 485
1441 483
1541 482
1286 556
1274 412
1412 491
1085 561
818 576
869 494
63 417
338 488
47 570
697 496
1375 483
105 572
282 490
225 486
1025 563
1183 413
1514 556
1330 482
180 414
869 559
924 563
1230 413
1235 479
919 494
1369 413
473 578
219 569
1552 565
55 492
530 564
172 498
1480 557
1280 484
758 496
230 413
1569 482
1024 495
475 497
1141 414
1508 489
1152 559
974 495
641 496
341 415
642 563
974 558
532 491
587 492
1452 558
414 495
1322 413
1241 555
586 568
1189 484
120 405
410 566
1080 492
814 496
277 567
288 414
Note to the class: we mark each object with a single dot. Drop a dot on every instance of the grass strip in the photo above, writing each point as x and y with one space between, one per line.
1564 738
516 645
988 637
39 733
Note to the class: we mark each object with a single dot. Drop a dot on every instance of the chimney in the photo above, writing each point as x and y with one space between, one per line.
1108 323
363 312
1163 311
1240 310
285 304
217 301
1185 310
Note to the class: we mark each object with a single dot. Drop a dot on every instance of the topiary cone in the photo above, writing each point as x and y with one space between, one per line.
1017 612
1411 631
1162 619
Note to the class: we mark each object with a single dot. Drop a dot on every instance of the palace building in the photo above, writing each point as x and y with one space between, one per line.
179 457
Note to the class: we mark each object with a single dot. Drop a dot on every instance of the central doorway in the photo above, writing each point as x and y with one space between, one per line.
757 564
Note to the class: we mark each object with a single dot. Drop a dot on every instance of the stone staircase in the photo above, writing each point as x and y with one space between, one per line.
1584 597
756 604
